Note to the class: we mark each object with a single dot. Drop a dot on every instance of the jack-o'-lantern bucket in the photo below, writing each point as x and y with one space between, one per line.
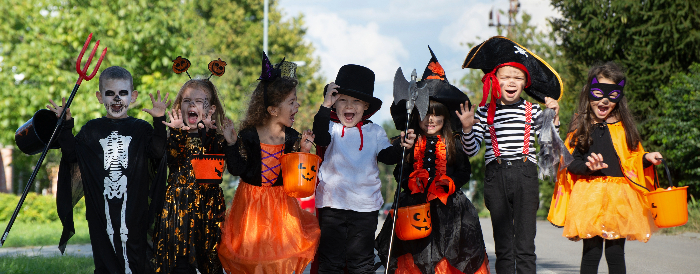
669 206
299 172
32 136
413 222
208 168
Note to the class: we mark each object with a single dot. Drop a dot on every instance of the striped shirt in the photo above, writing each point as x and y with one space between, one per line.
509 123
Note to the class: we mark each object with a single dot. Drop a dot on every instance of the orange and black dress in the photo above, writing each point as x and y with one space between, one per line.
265 230
187 231
456 243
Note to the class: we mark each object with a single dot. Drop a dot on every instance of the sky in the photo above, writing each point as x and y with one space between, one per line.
385 35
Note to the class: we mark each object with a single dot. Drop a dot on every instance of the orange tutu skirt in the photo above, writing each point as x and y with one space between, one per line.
266 231
405 265
607 207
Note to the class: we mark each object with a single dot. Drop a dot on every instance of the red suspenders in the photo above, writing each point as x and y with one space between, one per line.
526 146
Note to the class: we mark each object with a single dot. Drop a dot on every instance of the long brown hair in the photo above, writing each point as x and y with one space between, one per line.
207 86
277 91
582 124
438 109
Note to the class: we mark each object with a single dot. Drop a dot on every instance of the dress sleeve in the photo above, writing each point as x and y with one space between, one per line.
68 142
236 159
388 154
578 165
158 138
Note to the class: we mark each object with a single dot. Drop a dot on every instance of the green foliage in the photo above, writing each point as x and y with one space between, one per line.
653 39
55 264
45 234
35 209
675 128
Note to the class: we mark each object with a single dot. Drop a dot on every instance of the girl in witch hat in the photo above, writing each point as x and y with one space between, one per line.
435 170
508 125
608 177
187 231
265 230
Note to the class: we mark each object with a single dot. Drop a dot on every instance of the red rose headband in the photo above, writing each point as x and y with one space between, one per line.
216 67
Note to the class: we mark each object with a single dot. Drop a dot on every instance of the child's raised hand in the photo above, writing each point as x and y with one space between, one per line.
208 122
58 109
654 158
160 104
331 95
409 140
176 120
466 116
230 132
307 140
553 104
595 162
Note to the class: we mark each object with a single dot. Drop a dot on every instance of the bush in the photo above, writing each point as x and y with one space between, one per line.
35 209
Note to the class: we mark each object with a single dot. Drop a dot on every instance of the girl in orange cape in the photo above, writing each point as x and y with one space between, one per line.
600 196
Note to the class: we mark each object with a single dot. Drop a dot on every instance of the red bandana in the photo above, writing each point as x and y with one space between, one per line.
419 177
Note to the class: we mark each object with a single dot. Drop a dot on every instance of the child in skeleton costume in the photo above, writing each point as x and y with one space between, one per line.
265 230
434 171
507 126
112 155
188 228
610 173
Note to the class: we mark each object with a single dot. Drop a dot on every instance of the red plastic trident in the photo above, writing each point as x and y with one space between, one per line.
59 123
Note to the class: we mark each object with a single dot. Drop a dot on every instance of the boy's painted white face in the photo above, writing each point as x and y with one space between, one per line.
195 106
350 110
602 108
432 124
512 82
116 97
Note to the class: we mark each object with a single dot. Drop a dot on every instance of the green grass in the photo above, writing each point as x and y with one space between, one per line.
54 264
43 234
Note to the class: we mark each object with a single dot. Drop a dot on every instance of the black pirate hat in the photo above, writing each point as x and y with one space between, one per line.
358 81
439 89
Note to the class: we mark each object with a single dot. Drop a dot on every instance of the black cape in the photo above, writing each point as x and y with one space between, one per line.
84 169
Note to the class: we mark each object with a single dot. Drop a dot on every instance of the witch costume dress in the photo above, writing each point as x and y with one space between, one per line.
456 243
265 230
117 164
188 227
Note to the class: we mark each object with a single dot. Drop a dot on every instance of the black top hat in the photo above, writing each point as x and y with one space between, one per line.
543 80
439 89
358 81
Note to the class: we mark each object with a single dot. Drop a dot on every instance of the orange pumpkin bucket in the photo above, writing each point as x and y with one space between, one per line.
413 222
669 207
208 168
299 172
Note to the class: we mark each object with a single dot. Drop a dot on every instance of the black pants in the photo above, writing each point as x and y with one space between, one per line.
614 255
511 193
347 239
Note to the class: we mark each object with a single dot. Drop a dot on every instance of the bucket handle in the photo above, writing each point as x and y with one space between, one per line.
668 173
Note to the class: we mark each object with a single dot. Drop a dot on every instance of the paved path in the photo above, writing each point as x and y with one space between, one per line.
555 254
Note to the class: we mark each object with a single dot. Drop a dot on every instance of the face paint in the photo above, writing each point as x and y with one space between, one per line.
116 97
612 92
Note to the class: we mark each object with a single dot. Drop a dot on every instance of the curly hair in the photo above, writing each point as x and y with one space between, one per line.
583 121
207 86
277 91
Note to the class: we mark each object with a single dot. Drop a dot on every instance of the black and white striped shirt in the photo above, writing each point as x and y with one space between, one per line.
509 123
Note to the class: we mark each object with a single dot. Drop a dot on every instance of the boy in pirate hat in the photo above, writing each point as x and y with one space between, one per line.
348 195
508 128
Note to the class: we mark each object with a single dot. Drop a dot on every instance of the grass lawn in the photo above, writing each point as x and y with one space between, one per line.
56 264
43 234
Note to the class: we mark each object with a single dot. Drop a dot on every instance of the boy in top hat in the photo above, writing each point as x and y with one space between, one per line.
348 195
507 126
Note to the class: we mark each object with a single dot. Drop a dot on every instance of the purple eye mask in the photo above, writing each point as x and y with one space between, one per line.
611 91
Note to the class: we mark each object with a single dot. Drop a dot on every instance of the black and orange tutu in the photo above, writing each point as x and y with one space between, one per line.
607 207
266 231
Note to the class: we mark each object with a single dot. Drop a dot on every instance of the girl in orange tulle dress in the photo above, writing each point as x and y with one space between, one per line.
265 230
609 175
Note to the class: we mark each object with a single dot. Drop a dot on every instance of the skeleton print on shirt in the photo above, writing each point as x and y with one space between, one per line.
116 160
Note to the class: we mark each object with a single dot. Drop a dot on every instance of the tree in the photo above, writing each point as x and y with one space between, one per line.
40 40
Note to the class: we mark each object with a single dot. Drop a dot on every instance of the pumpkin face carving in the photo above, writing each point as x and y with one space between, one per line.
299 173
217 67
307 174
180 65
414 222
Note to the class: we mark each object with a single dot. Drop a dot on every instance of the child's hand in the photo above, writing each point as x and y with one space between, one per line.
159 105
230 132
208 122
331 95
595 162
307 140
409 140
553 104
58 109
466 116
176 120
654 158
